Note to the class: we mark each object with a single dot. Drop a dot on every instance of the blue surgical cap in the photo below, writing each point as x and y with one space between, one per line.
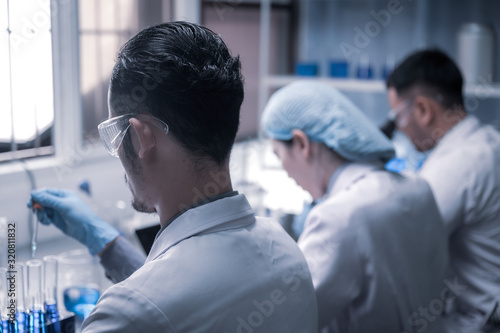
325 115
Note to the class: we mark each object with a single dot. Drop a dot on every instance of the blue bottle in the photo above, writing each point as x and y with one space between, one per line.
364 68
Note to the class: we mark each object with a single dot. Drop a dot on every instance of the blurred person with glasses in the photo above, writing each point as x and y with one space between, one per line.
463 170
214 266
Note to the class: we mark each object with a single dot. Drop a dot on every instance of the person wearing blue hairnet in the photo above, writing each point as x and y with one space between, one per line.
375 243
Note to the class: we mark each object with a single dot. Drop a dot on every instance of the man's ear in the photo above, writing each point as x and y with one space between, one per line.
425 111
301 142
145 134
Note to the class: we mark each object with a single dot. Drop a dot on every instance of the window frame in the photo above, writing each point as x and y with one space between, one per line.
66 71
68 145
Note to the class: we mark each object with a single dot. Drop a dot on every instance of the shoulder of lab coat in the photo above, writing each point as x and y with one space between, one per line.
375 234
218 269
464 174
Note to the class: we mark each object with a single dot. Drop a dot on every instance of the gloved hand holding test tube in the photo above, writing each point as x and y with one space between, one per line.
65 210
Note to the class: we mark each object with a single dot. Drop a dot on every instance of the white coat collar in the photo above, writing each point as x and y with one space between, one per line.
350 174
223 214
456 134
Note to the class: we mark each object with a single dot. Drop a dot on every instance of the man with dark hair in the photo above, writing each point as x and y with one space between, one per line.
174 102
463 170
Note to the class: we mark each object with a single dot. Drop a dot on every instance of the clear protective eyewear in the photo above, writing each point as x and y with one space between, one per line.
399 115
113 130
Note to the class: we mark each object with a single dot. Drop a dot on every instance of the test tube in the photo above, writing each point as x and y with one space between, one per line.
34 296
3 241
3 299
34 238
21 310
50 279
7 311
34 273
50 292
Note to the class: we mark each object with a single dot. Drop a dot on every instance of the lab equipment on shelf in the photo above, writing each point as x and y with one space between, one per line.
390 63
364 69
476 52
307 69
339 68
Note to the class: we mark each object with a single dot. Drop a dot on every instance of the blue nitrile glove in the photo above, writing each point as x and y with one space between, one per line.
69 213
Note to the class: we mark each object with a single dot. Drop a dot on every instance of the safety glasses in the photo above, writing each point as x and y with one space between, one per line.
401 114
113 130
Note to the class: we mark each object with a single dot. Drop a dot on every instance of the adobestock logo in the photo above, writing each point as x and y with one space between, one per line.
263 310
435 308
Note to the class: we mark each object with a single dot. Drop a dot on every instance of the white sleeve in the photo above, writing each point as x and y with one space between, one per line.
121 259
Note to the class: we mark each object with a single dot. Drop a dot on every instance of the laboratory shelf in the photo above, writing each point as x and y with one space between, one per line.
486 90
490 90
277 81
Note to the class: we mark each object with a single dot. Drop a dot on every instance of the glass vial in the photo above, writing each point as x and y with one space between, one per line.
34 296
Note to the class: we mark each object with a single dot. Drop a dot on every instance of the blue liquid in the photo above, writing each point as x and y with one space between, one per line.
22 319
80 300
365 72
36 321
51 313
52 318
20 325
8 327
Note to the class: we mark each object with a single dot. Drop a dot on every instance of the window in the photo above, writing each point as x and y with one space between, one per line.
26 89
104 26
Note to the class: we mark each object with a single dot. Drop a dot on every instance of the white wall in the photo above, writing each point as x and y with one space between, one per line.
104 172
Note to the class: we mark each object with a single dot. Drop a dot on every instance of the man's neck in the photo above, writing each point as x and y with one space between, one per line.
193 190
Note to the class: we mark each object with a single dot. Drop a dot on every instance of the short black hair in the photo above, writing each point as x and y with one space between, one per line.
433 71
183 74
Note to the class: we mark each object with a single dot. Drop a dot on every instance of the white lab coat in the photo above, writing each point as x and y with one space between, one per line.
215 268
463 171
377 251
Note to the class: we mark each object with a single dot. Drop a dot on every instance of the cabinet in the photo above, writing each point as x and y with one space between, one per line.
350 29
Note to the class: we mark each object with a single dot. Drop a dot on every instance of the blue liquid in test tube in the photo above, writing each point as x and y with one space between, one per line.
36 322
22 322
50 288
52 318
8 326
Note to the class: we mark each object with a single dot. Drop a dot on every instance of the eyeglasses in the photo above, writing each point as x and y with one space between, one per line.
113 130
399 116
